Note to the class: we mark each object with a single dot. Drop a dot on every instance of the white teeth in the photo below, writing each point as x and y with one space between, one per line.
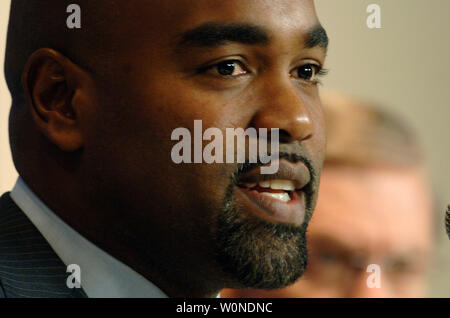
279 196
264 184
249 185
286 185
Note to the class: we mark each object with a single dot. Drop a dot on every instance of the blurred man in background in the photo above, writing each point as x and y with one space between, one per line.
374 207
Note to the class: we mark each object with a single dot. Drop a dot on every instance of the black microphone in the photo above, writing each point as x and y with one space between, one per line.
447 220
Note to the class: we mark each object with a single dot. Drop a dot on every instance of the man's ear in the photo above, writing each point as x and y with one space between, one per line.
51 83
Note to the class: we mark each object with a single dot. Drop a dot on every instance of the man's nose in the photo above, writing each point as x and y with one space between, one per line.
284 108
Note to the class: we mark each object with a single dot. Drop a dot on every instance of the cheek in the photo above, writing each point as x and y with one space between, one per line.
177 103
155 112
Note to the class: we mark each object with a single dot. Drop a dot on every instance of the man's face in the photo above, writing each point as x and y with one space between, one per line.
371 216
367 216
231 64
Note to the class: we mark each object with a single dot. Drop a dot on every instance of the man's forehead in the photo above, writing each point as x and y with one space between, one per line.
379 183
395 208
276 17
264 12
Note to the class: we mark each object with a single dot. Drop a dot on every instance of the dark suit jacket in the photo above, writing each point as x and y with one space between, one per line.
28 265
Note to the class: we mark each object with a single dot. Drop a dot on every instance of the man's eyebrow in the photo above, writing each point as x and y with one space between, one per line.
215 34
317 36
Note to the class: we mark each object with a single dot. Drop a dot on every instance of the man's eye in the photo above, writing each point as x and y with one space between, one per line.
399 266
228 69
328 257
307 72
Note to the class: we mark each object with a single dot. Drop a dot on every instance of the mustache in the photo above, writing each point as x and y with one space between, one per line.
244 168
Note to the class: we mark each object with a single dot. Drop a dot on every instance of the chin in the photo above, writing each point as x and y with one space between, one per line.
256 253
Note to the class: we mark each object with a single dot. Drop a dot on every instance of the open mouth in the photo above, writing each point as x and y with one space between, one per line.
282 190
276 198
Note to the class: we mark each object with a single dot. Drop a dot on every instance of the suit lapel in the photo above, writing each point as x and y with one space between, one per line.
28 265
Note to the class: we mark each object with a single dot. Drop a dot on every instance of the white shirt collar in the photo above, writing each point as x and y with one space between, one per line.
101 274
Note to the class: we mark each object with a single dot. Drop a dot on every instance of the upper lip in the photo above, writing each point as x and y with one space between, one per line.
296 172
